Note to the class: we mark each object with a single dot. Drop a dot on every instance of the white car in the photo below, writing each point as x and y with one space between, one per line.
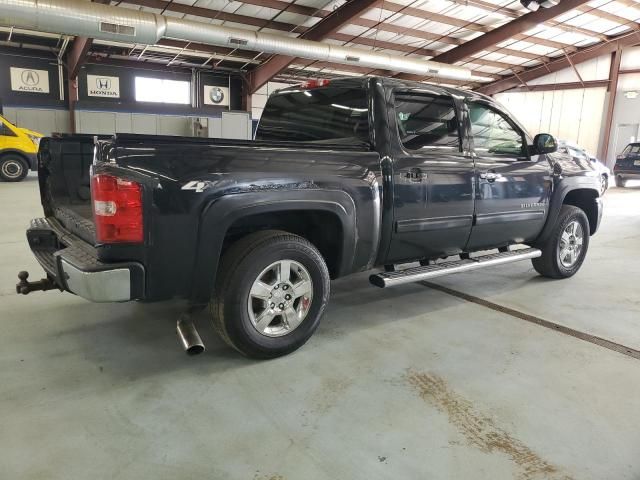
581 154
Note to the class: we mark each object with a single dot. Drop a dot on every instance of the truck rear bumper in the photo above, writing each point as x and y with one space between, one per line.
74 266
628 172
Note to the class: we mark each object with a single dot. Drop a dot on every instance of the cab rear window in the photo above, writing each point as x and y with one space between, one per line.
319 115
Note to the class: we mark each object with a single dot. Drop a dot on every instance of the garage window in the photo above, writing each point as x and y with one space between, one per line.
160 90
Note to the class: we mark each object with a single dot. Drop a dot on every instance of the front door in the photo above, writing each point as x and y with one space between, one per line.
512 188
432 177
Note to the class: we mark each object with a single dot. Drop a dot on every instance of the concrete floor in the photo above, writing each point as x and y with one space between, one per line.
404 383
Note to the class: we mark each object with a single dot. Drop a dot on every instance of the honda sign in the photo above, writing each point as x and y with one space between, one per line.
103 86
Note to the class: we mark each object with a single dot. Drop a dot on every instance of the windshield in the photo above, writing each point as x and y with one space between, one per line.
321 115
632 148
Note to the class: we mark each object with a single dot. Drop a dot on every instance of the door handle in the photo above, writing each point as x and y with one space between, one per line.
414 175
490 176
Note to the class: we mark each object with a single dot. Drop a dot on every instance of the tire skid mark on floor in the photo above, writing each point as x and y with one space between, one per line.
601 342
481 431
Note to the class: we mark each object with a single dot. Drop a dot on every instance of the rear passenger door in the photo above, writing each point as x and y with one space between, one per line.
432 177
512 188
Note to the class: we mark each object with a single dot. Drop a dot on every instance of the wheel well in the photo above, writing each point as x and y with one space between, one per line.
16 153
322 229
584 199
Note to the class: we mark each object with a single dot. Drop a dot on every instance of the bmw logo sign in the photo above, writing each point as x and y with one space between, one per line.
216 95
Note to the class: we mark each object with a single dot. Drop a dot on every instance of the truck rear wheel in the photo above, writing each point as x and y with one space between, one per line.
620 182
566 248
13 168
271 291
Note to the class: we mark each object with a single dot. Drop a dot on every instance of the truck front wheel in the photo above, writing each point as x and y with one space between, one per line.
13 168
566 248
271 291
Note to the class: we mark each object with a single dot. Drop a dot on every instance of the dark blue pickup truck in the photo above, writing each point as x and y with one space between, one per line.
627 165
342 177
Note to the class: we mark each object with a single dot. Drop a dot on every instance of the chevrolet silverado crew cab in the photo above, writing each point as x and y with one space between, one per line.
342 177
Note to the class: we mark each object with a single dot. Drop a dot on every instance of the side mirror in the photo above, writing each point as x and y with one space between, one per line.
544 143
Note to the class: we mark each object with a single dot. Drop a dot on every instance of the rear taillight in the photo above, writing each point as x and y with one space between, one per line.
117 209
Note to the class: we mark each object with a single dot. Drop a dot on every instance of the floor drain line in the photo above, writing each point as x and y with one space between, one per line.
616 347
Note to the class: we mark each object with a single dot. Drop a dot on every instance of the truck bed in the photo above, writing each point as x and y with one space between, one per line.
65 163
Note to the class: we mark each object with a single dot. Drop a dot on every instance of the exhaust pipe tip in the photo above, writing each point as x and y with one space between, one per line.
189 337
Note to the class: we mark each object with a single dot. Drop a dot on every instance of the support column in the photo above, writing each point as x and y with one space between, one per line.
73 99
614 71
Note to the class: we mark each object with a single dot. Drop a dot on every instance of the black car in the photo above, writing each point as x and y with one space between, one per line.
627 165
343 176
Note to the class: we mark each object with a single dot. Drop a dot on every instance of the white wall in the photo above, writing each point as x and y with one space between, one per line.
108 123
626 113
41 120
259 99
574 115
578 115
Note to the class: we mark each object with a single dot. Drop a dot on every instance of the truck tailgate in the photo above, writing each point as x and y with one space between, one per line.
64 164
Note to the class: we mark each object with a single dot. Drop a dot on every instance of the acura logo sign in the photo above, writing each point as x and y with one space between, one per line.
29 80
30 77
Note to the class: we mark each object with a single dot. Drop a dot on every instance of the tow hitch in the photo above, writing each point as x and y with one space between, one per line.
23 287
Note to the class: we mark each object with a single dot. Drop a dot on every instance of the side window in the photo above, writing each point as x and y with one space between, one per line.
6 131
493 134
427 121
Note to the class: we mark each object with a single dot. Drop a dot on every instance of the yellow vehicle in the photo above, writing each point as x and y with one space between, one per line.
18 149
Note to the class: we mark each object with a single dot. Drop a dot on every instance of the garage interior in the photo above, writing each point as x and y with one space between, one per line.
494 374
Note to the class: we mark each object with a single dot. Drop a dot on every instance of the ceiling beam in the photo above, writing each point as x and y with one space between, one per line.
608 16
512 13
419 33
582 55
78 55
614 71
78 52
507 31
321 30
562 86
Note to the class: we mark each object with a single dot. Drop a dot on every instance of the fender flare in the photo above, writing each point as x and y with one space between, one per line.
563 187
218 216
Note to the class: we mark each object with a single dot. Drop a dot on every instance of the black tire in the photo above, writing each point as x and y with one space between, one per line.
620 182
240 267
549 264
13 168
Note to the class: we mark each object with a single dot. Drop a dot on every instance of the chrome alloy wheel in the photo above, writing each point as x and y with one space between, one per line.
570 245
12 169
280 298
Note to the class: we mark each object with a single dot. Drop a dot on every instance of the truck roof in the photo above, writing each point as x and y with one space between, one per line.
396 82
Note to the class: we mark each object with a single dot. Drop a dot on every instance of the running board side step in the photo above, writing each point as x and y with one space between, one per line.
418 274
